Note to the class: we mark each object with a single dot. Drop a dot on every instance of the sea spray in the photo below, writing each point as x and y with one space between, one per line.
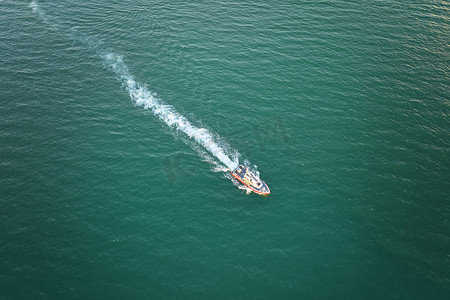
142 96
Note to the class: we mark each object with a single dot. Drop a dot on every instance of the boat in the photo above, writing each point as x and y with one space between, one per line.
250 180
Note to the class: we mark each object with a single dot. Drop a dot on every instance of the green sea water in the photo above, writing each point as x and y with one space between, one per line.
117 119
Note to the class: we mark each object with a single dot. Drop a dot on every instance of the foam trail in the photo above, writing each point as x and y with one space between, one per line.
142 96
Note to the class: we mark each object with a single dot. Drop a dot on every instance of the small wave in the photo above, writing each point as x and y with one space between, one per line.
220 169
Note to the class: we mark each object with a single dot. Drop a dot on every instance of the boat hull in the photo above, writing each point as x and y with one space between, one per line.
250 180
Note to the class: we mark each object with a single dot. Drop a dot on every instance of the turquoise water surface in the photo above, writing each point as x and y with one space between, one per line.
119 120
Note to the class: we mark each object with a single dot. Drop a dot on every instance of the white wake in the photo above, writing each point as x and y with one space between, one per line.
142 96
